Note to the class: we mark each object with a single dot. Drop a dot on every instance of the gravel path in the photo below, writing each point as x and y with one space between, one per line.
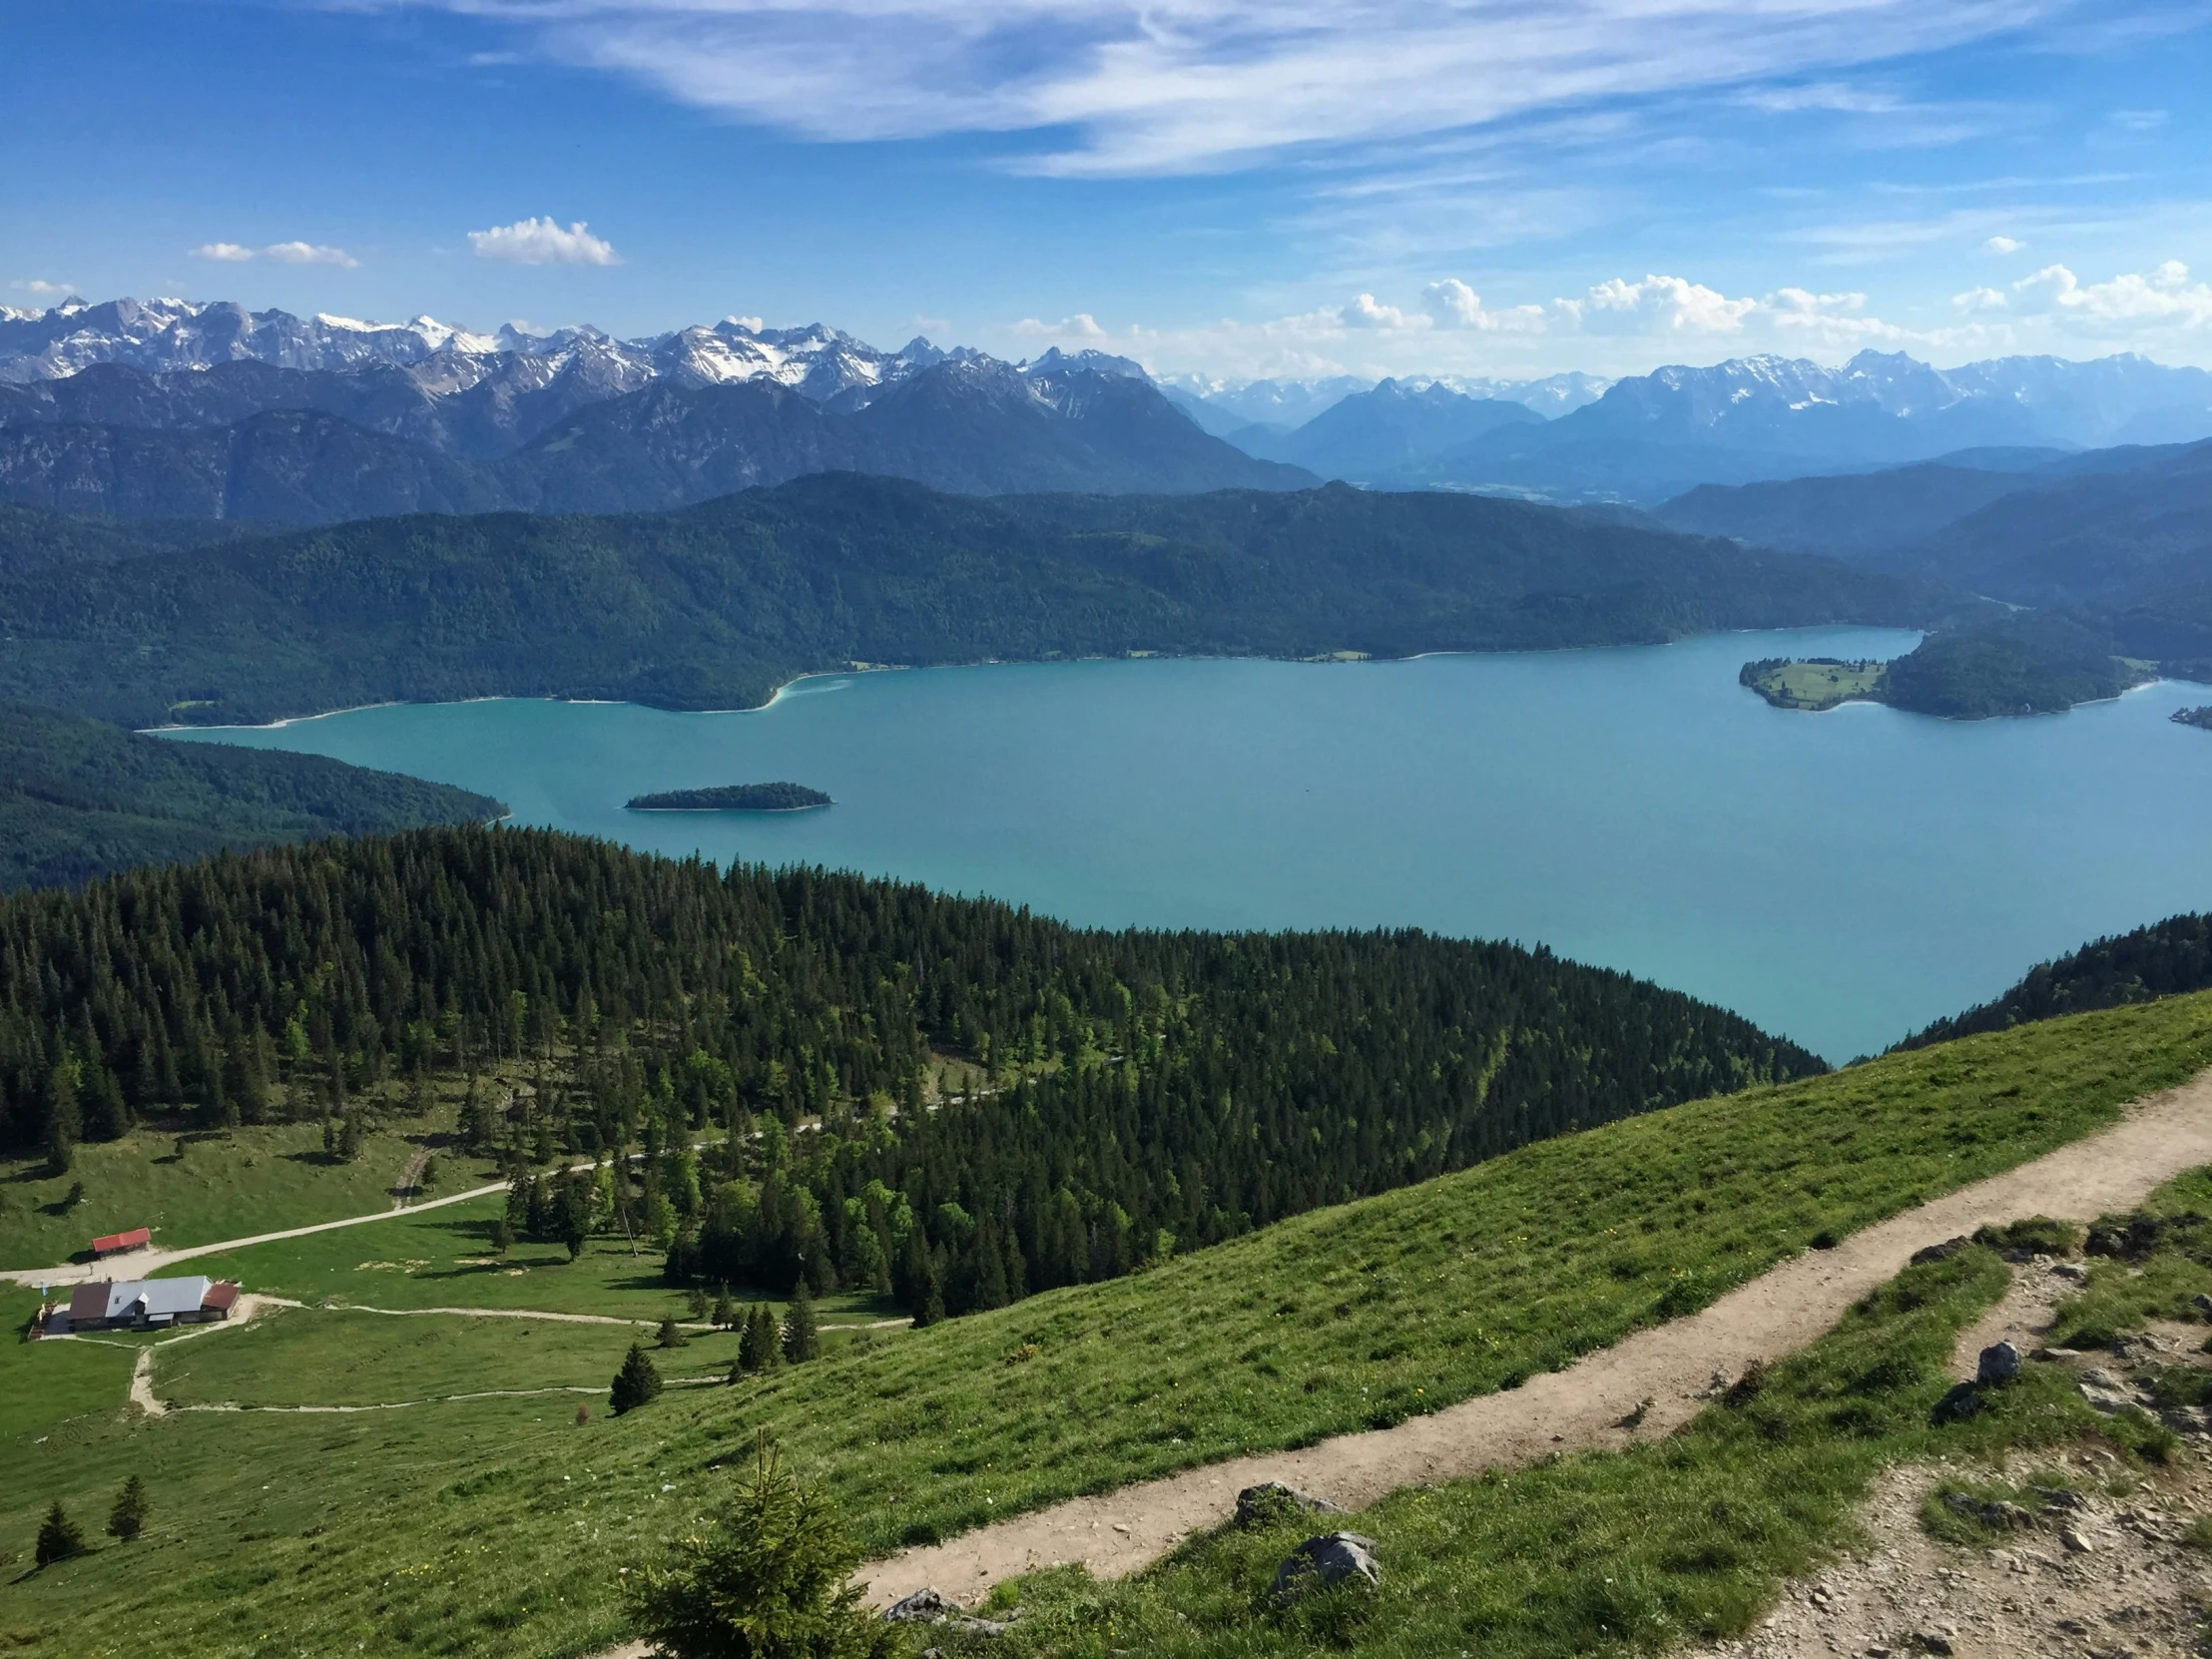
1671 1366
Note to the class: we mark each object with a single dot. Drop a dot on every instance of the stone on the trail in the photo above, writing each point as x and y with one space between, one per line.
1931 1641
1995 1512
1270 1500
2202 1303
1999 1362
925 1606
1941 1251
1328 1560
2104 1393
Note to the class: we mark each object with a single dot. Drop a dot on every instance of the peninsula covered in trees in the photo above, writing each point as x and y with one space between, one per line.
732 798
2029 663
1120 1096
80 799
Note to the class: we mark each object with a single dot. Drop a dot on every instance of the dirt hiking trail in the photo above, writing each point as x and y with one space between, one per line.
1672 1366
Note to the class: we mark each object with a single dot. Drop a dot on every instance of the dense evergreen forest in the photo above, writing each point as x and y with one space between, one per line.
715 606
1119 1095
2166 958
80 799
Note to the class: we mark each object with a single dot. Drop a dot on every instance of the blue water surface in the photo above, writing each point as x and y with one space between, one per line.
1841 877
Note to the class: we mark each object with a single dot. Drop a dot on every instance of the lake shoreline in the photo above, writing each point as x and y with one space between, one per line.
785 688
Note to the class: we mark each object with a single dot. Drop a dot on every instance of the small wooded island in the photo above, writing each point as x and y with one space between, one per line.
2200 716
732 798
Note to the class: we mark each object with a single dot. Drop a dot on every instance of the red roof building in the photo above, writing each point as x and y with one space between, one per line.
116 1243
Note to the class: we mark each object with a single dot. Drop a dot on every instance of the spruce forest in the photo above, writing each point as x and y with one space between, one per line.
785 1077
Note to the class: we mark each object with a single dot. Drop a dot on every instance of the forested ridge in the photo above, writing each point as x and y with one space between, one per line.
1127 1094
2165 958
716 605
80 799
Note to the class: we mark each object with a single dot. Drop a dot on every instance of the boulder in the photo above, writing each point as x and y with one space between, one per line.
926 1606
2202 1303
1999 1362
1270 1500
1326 1561
1941 1251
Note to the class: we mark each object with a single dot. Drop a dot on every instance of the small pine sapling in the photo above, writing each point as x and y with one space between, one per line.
636 1383
801 1339
59 1537
128 1519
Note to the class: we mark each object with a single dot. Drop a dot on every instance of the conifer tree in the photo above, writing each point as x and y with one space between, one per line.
725 1311
802 1341
636 1383
770 1579
128 1519
670 1334
756 1350
59 1537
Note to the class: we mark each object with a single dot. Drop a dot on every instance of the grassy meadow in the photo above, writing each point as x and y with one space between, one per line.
497 1526
445 1258
193 1188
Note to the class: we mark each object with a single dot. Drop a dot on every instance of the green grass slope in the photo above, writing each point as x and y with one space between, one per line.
497 1526
80 799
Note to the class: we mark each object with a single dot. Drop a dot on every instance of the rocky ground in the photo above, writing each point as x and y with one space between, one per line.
2094 1558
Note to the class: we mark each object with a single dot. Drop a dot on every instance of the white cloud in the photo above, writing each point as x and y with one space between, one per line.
1669 304
284 253
1977 301
2003 245
1453 305
1151 85
542 242
2165 297
1082 326
39 285
307 252
1365 312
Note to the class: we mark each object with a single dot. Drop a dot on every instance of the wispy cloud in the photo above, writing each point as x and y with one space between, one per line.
542 242
2003 245
42 287
284 253
1154 86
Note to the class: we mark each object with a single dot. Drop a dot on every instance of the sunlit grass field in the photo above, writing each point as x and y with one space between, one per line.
258 1180
497 1526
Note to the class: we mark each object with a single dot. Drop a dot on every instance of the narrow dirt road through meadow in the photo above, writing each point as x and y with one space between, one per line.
1673 1366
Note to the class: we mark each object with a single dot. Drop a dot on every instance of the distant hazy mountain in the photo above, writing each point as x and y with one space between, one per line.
1228 408
1882 515
1380 437
1653 436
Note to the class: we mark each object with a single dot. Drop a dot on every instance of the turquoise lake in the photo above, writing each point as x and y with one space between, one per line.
1841 877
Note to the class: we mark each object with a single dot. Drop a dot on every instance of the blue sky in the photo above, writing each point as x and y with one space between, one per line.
1510 186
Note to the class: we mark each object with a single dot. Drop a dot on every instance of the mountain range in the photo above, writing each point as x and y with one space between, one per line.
1652 436
171 411
170 408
